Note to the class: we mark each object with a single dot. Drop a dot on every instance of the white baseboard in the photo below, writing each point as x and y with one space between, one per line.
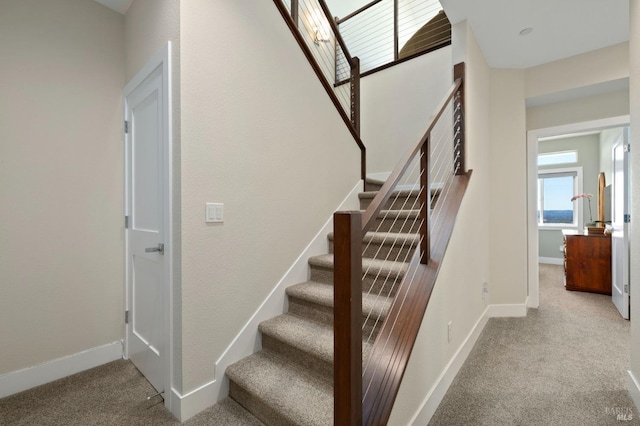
502 311
439 389
436 393
248 341
634 389
183 407
551 260
21 380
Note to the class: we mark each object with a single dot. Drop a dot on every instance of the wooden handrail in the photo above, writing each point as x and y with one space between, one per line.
357 12
385 192
293 26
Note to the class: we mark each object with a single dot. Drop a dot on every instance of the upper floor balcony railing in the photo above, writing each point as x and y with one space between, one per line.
384 32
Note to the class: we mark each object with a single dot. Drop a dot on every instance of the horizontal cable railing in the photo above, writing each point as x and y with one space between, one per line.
394 254
386 31
317 34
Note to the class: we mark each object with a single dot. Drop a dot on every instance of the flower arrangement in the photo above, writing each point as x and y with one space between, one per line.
588 197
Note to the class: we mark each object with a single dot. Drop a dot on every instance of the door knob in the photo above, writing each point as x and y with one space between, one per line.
159 249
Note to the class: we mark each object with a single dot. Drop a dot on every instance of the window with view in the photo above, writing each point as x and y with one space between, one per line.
555 190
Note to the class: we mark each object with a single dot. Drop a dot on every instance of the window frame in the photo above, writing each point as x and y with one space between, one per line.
577 204
550 153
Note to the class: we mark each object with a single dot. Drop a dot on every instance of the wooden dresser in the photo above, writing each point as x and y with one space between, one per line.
587 262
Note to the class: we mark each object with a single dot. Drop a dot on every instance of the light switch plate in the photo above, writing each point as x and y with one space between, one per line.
214 213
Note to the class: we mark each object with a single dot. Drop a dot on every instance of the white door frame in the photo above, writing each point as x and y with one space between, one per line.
160 59
533 285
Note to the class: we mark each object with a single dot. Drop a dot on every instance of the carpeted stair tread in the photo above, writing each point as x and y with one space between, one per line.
399 214
388 238
322 294
397 221
401 193
282 393
373 184
311 337
369 266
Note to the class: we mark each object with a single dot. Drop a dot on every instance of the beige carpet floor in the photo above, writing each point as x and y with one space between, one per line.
563 364
112 394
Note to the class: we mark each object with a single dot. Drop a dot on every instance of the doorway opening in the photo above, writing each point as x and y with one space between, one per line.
564 167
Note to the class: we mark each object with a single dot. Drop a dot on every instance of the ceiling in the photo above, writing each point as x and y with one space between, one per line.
561 28
120 6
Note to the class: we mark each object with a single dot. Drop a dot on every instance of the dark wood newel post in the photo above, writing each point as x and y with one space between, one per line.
347 327
425 203
458 126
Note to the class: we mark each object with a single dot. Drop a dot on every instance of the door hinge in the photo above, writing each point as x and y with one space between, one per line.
126 222
626 288
126 317
627 148
627 218
126 126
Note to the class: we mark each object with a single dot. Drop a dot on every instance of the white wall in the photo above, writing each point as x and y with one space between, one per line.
260 135
587 69
61 179
148 26
396 104
605 105
457 296
508 207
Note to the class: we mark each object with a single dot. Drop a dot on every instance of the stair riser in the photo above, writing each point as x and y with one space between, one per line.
370 186
324 315
399 203
382 284
404 202
319 367
398 224
392 252
255 405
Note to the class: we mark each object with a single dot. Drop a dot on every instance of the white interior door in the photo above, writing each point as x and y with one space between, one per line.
146 232
620 236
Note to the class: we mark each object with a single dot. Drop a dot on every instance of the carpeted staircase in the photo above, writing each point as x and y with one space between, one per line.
290 381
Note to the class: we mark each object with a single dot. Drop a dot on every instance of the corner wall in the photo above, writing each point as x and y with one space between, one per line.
508 182
61 180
